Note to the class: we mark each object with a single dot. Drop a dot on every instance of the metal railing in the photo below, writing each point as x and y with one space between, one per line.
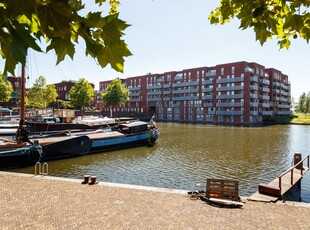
300 165
41 169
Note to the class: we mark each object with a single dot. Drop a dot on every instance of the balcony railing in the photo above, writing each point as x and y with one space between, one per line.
189 83
177 91
230 88
234 96
228 80
185 98
230 104
154 93
154 86
222 112
208 105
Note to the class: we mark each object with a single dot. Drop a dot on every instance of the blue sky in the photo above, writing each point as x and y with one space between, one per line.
176 35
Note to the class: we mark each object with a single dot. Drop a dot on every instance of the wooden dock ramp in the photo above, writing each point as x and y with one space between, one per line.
274 190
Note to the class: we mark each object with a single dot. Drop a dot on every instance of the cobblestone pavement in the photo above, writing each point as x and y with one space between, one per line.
32 202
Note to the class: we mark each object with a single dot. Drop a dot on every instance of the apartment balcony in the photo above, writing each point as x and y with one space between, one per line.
264 81
207 90
254 78
207 82
284 86
230 104
167 98
185 98
267 113
284 93
281 106
254 104
154 93
207 97
248 69
211 112
178 77
188 83
179 91
154 99
211 73
160 79
134 88
229 80
264 97
207 104
253 96
166 92
234 96
154 86
264 89
283 99
199 112
233 112
253 87
276 91
135 100
134 94
265 105
176 105
276 84
254 113
167 85
230 88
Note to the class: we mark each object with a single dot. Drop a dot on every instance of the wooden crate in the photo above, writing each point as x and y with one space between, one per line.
222 189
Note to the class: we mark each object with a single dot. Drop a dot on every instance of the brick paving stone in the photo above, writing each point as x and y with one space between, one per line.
29 202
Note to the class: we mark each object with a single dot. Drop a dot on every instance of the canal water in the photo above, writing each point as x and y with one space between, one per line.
185 155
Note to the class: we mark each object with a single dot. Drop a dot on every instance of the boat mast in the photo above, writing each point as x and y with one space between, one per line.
22 99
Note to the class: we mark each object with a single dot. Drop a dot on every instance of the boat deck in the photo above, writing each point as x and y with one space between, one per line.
49 140
102 134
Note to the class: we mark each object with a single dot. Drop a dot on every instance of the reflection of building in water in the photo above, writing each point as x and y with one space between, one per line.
232 93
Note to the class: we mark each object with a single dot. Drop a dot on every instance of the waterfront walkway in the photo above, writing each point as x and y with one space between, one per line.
36 202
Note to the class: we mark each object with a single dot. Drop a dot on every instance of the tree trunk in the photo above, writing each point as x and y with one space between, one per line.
111 111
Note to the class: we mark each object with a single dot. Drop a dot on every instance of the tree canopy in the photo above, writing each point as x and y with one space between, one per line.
81 94
61 24
6 89
304 103
116 94
40 95
283 19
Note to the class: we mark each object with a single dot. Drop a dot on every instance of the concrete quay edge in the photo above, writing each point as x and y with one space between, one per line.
139 187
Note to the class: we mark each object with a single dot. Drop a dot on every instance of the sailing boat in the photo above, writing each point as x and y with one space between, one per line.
23 151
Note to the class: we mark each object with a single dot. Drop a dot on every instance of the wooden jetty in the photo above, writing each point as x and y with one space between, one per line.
278 187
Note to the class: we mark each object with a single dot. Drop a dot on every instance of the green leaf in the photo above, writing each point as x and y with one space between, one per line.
284 43
293 22
55 17
62 48
17 7
114 56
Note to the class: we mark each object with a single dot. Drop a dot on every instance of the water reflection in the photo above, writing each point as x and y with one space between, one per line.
186 155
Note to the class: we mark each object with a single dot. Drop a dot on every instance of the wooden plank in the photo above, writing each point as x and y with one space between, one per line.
285 183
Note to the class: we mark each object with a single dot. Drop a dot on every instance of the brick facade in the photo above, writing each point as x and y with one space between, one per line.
241 93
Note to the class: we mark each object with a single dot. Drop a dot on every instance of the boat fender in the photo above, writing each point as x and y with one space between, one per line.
35 154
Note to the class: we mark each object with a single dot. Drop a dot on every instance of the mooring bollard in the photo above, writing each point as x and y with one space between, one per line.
297 159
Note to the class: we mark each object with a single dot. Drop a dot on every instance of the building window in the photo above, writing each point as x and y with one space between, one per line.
222 71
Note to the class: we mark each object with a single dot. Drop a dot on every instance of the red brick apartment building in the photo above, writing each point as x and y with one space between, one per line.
242 93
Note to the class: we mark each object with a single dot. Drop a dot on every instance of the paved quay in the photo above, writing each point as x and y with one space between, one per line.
37 202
